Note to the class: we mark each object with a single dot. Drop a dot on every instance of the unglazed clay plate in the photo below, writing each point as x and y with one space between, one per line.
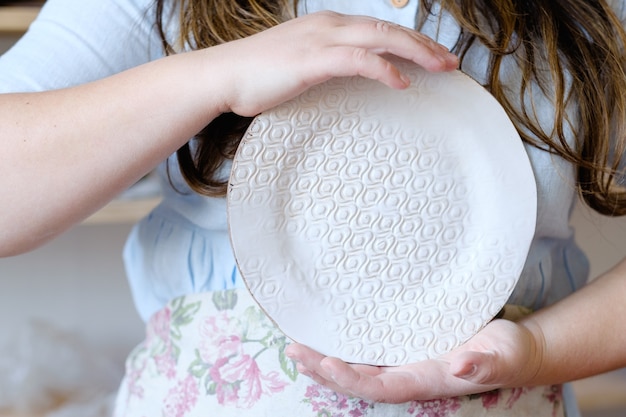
382 226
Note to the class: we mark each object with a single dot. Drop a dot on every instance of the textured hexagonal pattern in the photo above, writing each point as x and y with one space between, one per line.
382 226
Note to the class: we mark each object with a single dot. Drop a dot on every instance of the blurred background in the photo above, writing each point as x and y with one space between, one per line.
70 297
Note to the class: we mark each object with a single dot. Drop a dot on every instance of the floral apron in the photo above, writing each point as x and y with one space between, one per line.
218 355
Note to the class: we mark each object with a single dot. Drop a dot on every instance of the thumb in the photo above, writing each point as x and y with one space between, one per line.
476 367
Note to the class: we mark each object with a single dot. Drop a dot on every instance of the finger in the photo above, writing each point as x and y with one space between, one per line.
330 384
356 383
363 62
308 362
313 375
370 382
304 356
476 367
381 37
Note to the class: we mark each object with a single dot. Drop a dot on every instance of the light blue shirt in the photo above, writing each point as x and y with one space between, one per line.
183 245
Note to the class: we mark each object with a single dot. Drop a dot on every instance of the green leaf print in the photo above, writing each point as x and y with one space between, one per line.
254 318
287 365
198 367
225 300
182 315
210 387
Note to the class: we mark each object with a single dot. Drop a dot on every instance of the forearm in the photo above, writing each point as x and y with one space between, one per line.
584 334
67 152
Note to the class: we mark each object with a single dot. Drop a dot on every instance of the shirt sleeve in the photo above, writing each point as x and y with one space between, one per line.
76 41
619 6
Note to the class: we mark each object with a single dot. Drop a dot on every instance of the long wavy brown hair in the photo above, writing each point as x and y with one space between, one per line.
579 42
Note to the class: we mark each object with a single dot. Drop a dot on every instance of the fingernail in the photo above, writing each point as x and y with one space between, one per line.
406 80
302 369
289 353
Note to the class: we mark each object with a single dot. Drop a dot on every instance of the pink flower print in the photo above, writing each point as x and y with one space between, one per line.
239 381
181 398
133 376
554 394
134 389
221 337
159 326
434 408
334 401
158 340
359 411
135 366
312 391
490 399
516 393
326 402
166 362
225 390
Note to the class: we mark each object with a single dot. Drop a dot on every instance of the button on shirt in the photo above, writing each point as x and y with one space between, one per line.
399 3
384 9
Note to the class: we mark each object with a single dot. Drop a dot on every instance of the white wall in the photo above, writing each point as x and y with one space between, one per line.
602 238
76 282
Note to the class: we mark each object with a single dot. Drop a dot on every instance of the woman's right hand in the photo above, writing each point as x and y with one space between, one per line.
273 66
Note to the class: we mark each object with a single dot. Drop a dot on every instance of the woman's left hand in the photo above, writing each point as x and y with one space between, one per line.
503 354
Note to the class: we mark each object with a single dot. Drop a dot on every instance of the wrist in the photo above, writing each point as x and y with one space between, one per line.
531 374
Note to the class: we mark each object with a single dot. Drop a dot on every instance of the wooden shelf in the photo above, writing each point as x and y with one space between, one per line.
123 211
602 392
17 19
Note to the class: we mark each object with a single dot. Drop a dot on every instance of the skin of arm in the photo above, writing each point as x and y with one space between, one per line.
577 337
65 153
583 335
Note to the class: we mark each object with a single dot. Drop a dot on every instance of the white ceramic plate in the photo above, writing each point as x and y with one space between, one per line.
382 226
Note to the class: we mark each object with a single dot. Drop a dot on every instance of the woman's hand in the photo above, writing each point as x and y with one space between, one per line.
273 66
503 354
